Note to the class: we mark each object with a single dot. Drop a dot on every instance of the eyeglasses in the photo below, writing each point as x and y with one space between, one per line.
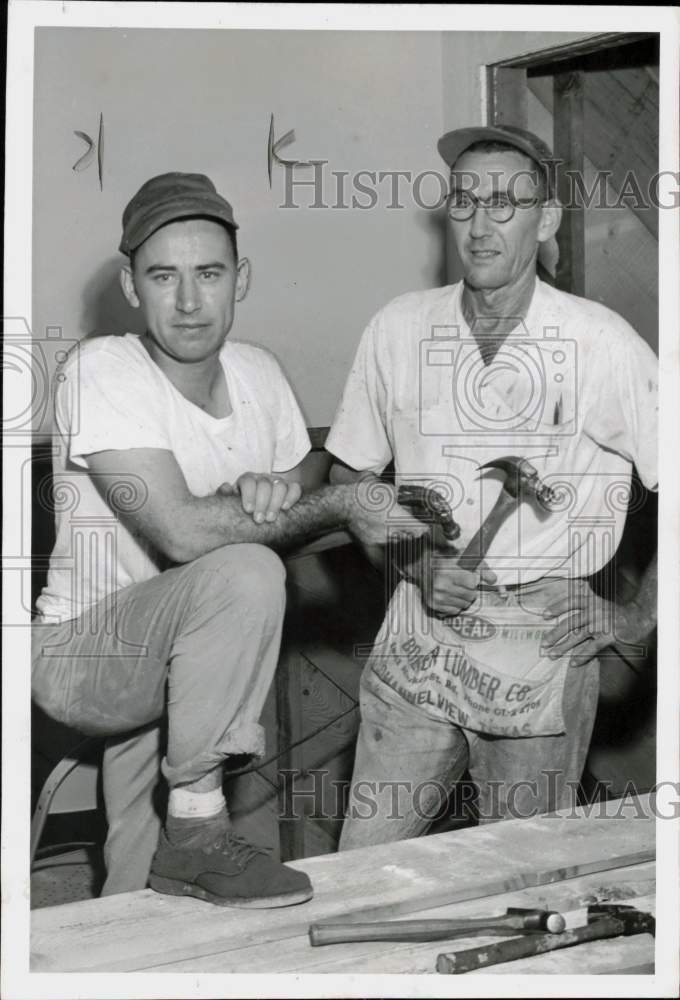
499 207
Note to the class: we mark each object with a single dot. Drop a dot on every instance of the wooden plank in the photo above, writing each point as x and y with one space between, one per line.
319 839
325 703
568 147
390 957
291 830
621 133
622 259
573 50
144 929
624 136
507 89
332 604
323 762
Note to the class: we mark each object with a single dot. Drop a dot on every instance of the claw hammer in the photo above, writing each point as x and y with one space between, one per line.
521 482
605 920
515 920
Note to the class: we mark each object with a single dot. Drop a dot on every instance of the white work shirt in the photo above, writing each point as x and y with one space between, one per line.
573 389
112 396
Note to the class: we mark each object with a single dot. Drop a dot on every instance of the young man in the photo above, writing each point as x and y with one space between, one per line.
180 452
444 381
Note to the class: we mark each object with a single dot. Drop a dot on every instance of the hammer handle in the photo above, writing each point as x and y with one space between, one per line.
417 930
455 963
478 546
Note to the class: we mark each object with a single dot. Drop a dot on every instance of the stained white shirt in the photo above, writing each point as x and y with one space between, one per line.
112 396
573 389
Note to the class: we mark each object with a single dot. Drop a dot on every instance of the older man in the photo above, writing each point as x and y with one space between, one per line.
495 669
182 451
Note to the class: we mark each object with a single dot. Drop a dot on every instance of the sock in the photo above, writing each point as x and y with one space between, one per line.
195 819
192 805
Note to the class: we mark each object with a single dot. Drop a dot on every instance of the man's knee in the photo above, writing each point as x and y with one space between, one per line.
251 573
262 575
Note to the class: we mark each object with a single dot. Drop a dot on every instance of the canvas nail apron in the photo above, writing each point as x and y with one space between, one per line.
482 669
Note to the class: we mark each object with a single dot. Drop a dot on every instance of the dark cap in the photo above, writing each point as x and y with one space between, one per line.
167 198
453 144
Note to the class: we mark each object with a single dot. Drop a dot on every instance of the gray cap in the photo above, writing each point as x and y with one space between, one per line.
453 144
170 197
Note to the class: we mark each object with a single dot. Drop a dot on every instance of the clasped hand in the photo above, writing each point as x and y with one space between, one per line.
263 496
445 587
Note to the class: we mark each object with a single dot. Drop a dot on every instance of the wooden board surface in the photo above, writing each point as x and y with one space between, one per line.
633 885
142 930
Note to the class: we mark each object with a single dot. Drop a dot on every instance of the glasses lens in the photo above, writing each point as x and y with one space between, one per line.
500 209
461 205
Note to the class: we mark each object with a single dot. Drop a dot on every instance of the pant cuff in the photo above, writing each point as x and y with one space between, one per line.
247 739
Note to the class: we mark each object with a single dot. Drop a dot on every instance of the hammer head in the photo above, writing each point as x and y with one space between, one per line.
521 480
536 919
428 504
634 921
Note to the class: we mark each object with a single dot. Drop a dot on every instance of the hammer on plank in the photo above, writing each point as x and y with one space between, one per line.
515 920
605 920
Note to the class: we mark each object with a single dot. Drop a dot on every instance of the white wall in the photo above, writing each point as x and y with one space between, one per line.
201 101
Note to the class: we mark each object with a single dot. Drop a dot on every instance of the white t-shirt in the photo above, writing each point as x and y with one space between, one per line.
573 389
112 396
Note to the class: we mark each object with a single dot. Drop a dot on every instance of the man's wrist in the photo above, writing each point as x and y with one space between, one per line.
638 621
643 617
349 499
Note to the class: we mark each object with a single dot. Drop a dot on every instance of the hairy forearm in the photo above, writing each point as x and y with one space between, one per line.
206 523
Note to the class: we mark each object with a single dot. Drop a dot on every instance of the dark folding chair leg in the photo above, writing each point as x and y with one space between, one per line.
54 781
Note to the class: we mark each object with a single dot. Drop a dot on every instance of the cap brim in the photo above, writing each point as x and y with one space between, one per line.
174 211
453 144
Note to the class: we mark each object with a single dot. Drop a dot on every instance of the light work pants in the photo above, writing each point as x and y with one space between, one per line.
407 762
200 643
